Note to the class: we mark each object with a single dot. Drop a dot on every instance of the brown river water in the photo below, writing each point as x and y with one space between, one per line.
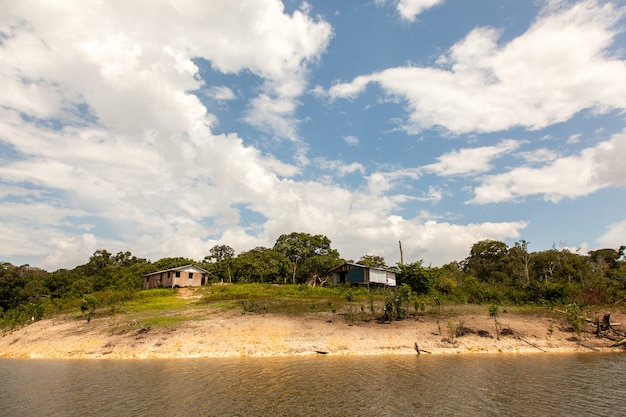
400 385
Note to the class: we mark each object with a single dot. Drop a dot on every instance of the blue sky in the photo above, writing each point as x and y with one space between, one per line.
167 127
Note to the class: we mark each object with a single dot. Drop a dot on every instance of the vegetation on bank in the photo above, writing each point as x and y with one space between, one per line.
293 278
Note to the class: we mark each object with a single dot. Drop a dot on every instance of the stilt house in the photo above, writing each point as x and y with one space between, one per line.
350 273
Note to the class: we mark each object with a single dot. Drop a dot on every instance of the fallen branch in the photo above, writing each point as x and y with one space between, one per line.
532 344
620 343
589 347
418 350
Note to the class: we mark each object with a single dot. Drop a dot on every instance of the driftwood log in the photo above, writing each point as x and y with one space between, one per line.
418 350
620 343
530 343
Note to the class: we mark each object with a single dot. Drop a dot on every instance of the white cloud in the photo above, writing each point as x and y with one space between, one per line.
615 236
221 93
341 168
409 9
568 177
135 164
381 182
124 46
68 250
574 138
434 195
348 90
482 86
351 140
538 155
434 242
470 161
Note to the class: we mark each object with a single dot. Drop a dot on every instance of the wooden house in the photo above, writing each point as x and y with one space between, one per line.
350 273
183 276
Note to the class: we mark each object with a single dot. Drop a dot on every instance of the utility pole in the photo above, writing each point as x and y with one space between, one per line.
401 263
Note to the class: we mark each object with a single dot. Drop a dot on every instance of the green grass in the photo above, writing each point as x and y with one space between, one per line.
293 300
167 307
160 299
289 291
162 322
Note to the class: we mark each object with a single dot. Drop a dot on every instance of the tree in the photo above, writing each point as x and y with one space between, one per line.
21 284
373 261
169 263
519 261
605 259
416 276
317 268
298 247
100 260
219 253
261 265
222 258
486 260
494 310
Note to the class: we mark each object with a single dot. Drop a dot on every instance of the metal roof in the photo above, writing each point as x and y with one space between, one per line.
361 266
178 268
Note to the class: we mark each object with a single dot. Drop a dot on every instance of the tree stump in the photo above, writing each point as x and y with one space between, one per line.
605 325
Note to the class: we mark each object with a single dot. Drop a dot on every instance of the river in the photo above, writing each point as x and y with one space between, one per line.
401 385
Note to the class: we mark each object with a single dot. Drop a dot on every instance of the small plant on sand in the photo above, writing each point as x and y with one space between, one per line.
455 330
575 318
416 306
452 330
403 296
351 314
251 306
437 304
494 310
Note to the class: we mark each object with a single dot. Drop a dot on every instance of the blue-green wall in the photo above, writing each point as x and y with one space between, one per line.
356 276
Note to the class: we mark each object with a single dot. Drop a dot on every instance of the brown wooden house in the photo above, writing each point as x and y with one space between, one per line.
183 276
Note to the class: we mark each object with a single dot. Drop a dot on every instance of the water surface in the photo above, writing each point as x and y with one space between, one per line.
455 385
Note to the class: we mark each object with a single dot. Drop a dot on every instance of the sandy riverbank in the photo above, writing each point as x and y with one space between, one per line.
227 334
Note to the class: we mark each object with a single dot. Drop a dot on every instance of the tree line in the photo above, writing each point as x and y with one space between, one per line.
492 273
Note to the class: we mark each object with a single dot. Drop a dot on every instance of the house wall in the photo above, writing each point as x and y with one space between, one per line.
167 278
378 276
356 276
187 277
359 274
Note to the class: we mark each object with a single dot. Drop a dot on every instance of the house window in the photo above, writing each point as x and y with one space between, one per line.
191 275
177 274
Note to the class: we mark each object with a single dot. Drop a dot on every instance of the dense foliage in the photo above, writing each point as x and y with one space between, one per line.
493 273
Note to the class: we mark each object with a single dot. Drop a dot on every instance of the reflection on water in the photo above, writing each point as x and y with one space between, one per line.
486 385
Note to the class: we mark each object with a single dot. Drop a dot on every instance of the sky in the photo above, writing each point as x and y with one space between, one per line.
166 127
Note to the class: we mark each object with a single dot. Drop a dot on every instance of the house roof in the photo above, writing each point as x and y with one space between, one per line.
349 265
178 268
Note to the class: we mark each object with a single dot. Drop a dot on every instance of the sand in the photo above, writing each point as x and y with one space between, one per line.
215 333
